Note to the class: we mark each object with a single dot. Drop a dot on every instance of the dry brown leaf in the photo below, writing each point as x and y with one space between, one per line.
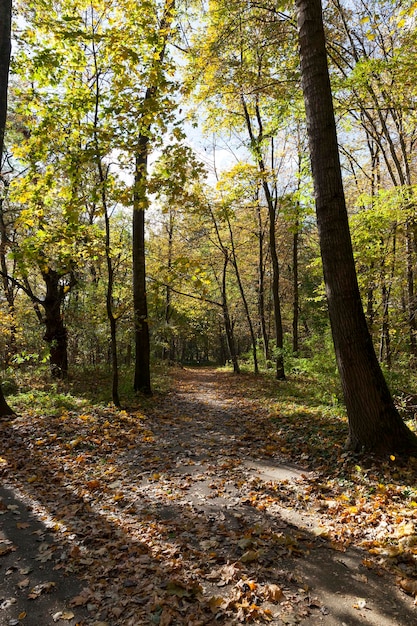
409 585
273 593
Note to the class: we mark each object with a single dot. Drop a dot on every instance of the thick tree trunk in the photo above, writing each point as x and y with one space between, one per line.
142 379
55 331
5 50
374 423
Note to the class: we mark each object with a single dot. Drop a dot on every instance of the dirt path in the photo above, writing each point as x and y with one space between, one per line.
193 518
222 437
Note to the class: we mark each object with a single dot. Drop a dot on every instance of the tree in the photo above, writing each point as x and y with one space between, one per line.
5 51
374 423
142 378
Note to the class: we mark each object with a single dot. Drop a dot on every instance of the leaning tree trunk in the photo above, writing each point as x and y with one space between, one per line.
374 423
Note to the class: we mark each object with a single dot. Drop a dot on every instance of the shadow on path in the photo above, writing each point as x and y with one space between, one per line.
174 517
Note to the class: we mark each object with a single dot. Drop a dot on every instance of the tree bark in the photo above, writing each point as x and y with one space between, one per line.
102 175
142 379
244 299
231 344
374 423
261 283
55 331
5 50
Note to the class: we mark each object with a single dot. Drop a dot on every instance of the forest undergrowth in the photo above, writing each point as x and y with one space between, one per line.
162 510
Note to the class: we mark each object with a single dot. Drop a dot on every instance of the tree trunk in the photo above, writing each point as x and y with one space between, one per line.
7 286
103 174
168 347
295 305
374 423
256 143
5 49
385 343
227 322
142 379
244 299
412 321
55 331
261 284
280 372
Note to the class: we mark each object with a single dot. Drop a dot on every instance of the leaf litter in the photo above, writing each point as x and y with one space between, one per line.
168 517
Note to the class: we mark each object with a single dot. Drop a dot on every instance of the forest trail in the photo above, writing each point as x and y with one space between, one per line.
188 512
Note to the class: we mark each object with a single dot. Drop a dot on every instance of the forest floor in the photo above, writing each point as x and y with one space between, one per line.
225 500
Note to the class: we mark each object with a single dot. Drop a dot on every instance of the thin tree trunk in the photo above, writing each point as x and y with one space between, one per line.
227 322
7 286
385 343
244 300
110 269
168 348
261 284
374 423
412 321
272 212
295 304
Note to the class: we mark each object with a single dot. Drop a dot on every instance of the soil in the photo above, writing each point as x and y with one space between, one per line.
208 451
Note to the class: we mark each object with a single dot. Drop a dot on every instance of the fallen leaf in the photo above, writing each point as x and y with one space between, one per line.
273 593
409 585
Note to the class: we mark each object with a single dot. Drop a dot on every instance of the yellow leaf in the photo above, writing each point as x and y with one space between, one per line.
67 615
249 556
215 603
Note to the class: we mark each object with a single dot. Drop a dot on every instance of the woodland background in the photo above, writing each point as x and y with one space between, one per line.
201 84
